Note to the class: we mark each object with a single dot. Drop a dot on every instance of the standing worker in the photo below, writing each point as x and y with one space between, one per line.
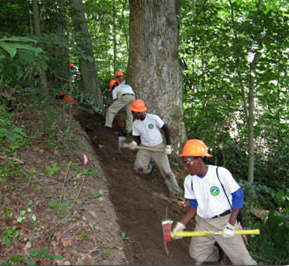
215 200
123 96
146 132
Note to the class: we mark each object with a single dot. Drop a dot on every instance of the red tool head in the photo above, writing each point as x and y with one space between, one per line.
167 227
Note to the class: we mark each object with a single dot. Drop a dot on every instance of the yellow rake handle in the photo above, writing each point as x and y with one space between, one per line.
195 233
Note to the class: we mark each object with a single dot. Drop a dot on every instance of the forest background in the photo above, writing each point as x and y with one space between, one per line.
214 70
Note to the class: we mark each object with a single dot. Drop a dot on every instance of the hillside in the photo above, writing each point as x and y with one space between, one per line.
55 210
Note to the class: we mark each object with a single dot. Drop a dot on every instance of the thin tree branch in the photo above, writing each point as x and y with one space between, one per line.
12 158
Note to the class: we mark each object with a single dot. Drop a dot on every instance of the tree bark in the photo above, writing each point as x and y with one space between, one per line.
86 57
37 32
253 65
61 54
154 69
114 37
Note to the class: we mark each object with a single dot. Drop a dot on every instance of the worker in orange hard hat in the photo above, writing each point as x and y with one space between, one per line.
215 200
123 96
112 84
120 77
146 132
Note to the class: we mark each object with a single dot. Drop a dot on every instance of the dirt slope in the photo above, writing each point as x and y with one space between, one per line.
139 200
51 212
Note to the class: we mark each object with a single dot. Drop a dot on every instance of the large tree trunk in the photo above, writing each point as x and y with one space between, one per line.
36 26
86 59
154 69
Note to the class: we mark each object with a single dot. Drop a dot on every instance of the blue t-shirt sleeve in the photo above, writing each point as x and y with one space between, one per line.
193 203
237 199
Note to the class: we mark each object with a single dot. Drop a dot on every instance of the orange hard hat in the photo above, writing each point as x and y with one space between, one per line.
113 83
195 147
138 106
119 74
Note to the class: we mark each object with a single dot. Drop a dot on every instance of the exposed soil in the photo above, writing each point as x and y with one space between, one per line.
115 214
140 201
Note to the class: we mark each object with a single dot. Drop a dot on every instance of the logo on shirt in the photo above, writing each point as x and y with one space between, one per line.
150 126
215 191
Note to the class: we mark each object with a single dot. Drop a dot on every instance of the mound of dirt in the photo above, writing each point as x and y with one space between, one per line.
140 201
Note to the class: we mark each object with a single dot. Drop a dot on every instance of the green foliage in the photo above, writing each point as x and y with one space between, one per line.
105 251
258 195
44 253
8 131
82 98
9 234
103 44
33 254
51 171
21 216
11 169
272 244
94 174
14 260
56 206
12 45
217 41
282 198
125 237
20 60
84 235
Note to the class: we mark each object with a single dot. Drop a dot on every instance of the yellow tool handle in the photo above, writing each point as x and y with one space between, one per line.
196 233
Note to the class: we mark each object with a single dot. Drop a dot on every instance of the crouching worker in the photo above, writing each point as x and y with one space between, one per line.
146 132
215 199
123 96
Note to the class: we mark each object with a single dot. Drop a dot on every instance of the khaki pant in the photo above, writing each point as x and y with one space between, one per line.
202 249
142 164
126 101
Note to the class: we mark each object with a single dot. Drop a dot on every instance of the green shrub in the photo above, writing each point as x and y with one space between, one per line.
272 244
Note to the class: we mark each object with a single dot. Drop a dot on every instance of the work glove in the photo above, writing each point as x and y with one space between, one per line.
229 231
178 228
132 146
168 149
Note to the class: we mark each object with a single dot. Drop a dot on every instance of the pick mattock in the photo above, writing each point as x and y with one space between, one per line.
169 235
123 144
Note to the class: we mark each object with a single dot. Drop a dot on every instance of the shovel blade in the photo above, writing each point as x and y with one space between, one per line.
121 141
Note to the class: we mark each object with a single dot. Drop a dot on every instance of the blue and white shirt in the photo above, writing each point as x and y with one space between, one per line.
208 193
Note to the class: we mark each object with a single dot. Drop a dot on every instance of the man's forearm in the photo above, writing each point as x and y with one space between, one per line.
167 134
233 216
190 215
